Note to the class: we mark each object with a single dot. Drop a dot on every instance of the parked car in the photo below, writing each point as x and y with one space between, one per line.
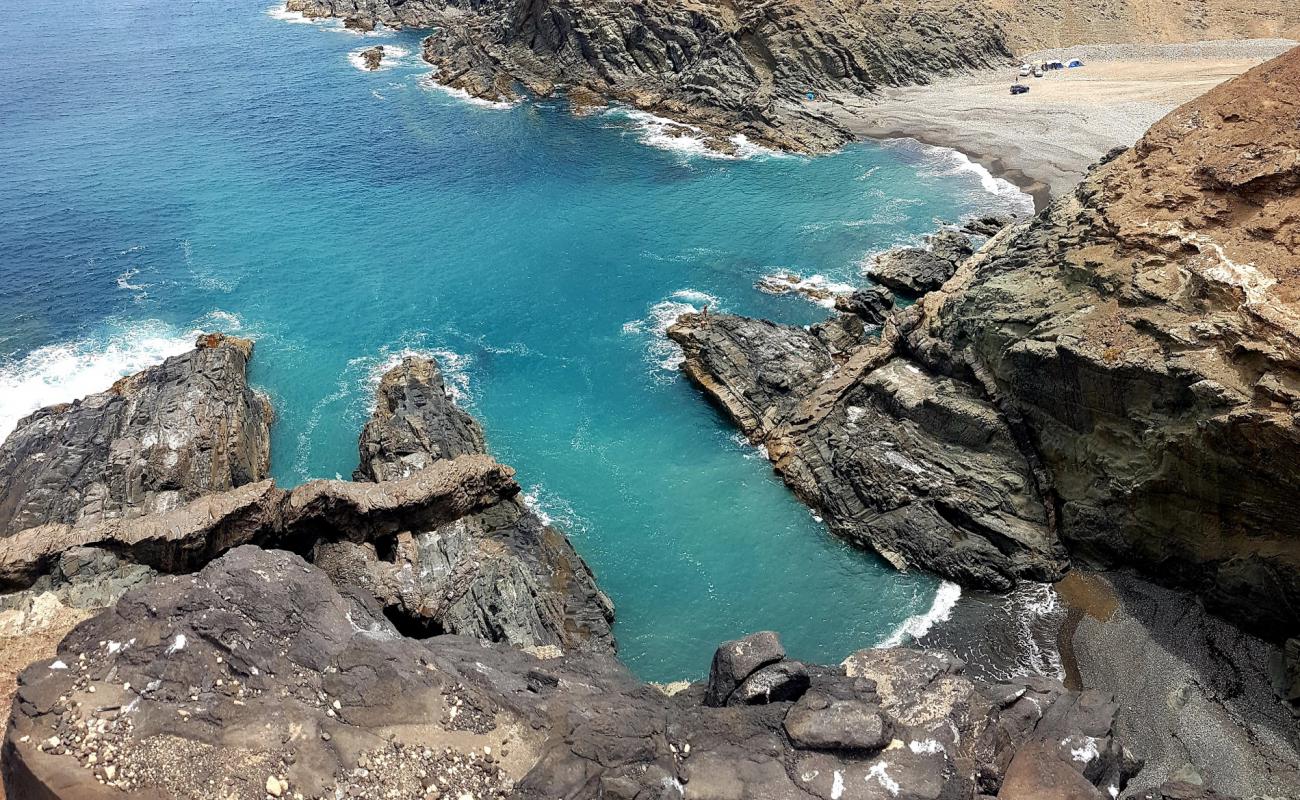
1025 71
1038 73
1019 88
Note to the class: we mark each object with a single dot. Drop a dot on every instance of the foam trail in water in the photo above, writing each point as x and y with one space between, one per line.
918 625
684 139
61 373
431 82
817 288
662 352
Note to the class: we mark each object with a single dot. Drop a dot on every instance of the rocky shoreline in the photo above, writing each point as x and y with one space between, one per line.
420 633
1077 393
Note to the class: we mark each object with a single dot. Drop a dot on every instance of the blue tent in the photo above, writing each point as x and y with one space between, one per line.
1074 62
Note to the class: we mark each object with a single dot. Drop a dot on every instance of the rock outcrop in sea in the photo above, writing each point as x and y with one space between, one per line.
245 670
153 442
1117 376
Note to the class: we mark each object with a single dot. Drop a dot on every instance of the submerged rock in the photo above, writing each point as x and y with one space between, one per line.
151 443
258 668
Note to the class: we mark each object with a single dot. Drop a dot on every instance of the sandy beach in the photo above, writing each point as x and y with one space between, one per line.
1045 140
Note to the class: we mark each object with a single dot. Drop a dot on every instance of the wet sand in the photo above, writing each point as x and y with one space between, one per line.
1045 141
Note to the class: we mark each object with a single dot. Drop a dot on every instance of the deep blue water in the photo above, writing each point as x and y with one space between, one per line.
167 167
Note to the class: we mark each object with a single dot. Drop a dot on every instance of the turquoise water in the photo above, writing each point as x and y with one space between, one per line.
171 167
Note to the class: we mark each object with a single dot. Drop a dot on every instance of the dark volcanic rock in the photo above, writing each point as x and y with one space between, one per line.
1145 333
188 537
154 441
988 225
501 574
373 57
915 465
914 270
256 672
821 722
737 660
724 69
415 423
782 682
872 304
1180 790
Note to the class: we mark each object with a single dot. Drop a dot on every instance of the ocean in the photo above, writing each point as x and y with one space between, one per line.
170 168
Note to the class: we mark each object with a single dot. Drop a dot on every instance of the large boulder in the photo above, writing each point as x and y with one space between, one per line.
154 441
913 271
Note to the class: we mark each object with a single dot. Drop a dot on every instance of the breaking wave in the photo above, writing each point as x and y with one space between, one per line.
918 625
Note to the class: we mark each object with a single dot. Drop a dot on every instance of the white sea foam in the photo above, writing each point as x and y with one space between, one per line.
946 162
663 353
431 82
1032 607
394 56
817 288
918 625
62 373
683 138
553 510
279 12
139 289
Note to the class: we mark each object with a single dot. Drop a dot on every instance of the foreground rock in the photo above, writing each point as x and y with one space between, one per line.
1145 333
185 539
154 441
258 673
915 465
372 57
500 574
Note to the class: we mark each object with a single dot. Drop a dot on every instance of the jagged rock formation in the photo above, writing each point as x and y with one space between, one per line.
913 271
1121 373
154 441
725 68
415 423
500 574
372 57
1144 334
871 303
913 464
258 676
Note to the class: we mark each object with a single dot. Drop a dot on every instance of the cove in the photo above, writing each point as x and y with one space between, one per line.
174 168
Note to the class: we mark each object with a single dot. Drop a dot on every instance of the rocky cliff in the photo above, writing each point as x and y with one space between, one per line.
1121 375
154 441
724 68
1144 335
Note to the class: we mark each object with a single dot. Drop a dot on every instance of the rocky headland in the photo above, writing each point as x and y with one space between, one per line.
1112 384
419 632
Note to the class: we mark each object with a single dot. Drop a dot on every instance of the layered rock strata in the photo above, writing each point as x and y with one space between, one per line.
257 672
722 69
1119 374
1144 333
914 464
151 443
501 573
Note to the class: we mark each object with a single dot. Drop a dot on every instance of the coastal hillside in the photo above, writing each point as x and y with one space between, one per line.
747 69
